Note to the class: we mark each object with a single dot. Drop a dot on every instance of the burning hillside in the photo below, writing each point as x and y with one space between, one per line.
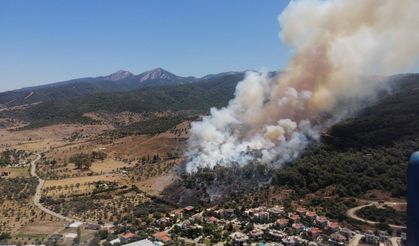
335 43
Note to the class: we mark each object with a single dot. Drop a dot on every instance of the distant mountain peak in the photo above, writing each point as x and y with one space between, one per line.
119 75
157 74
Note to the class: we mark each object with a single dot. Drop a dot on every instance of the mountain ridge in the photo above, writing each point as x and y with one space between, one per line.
119 81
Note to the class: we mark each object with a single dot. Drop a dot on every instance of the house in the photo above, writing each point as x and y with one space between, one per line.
162 236
165 221
261 216
229 213
310 216
189 209
128 236
370 238
94 227
276 211
213 220
256 234
314 232
115 241
347 233
144 242
337 239
294 218
297 227
276 235
384 236
301 211
321 221
197 217
333 226
282 223
75 224
239 238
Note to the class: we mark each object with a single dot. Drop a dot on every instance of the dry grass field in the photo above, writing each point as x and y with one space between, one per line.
146 161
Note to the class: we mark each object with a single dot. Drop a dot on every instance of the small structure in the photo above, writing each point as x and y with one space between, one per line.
337 239
256 234
282 223
301 211
162 236
297 227
347 233
115 241
384 236
314 232
239 238
321 221
276 234
94 227
310 216
144 242
128 236
75 224
276 211
333 226
370 238
294 218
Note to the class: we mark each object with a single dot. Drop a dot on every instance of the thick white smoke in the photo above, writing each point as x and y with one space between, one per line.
334 42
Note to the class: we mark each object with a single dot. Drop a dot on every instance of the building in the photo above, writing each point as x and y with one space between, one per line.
370 238
301 211
239 238
383 235
310 216
347 233
314 232
276 211
294 218
162 236
256 234
281 223
337 239
321 221
333 226
144 242
94 227
297 227
276 235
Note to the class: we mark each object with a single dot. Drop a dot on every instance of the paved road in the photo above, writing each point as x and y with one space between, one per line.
352 213
355 240
37 195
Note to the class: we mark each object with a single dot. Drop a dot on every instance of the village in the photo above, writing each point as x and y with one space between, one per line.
274 226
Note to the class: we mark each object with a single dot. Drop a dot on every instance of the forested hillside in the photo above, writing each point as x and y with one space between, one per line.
199 96
370 151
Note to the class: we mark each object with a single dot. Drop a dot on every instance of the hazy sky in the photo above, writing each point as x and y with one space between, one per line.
54 40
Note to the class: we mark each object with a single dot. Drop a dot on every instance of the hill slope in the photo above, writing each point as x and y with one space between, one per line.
120 81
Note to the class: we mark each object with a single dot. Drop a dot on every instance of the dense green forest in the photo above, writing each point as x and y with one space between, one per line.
370 151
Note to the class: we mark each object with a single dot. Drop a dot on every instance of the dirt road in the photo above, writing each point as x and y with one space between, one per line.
352 213
37 196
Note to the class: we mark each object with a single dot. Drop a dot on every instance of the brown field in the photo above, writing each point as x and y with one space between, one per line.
16 171
87 179
107 165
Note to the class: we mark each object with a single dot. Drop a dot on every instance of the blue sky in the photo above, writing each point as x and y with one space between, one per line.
54 40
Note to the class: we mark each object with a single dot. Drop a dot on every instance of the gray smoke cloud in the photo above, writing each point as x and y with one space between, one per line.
334 42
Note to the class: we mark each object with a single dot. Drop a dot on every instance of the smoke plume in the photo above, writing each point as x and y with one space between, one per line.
334 42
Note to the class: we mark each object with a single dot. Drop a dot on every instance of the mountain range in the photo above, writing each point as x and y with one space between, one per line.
120 81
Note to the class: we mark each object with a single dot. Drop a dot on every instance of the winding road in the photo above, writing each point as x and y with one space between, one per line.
352 213
37 196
